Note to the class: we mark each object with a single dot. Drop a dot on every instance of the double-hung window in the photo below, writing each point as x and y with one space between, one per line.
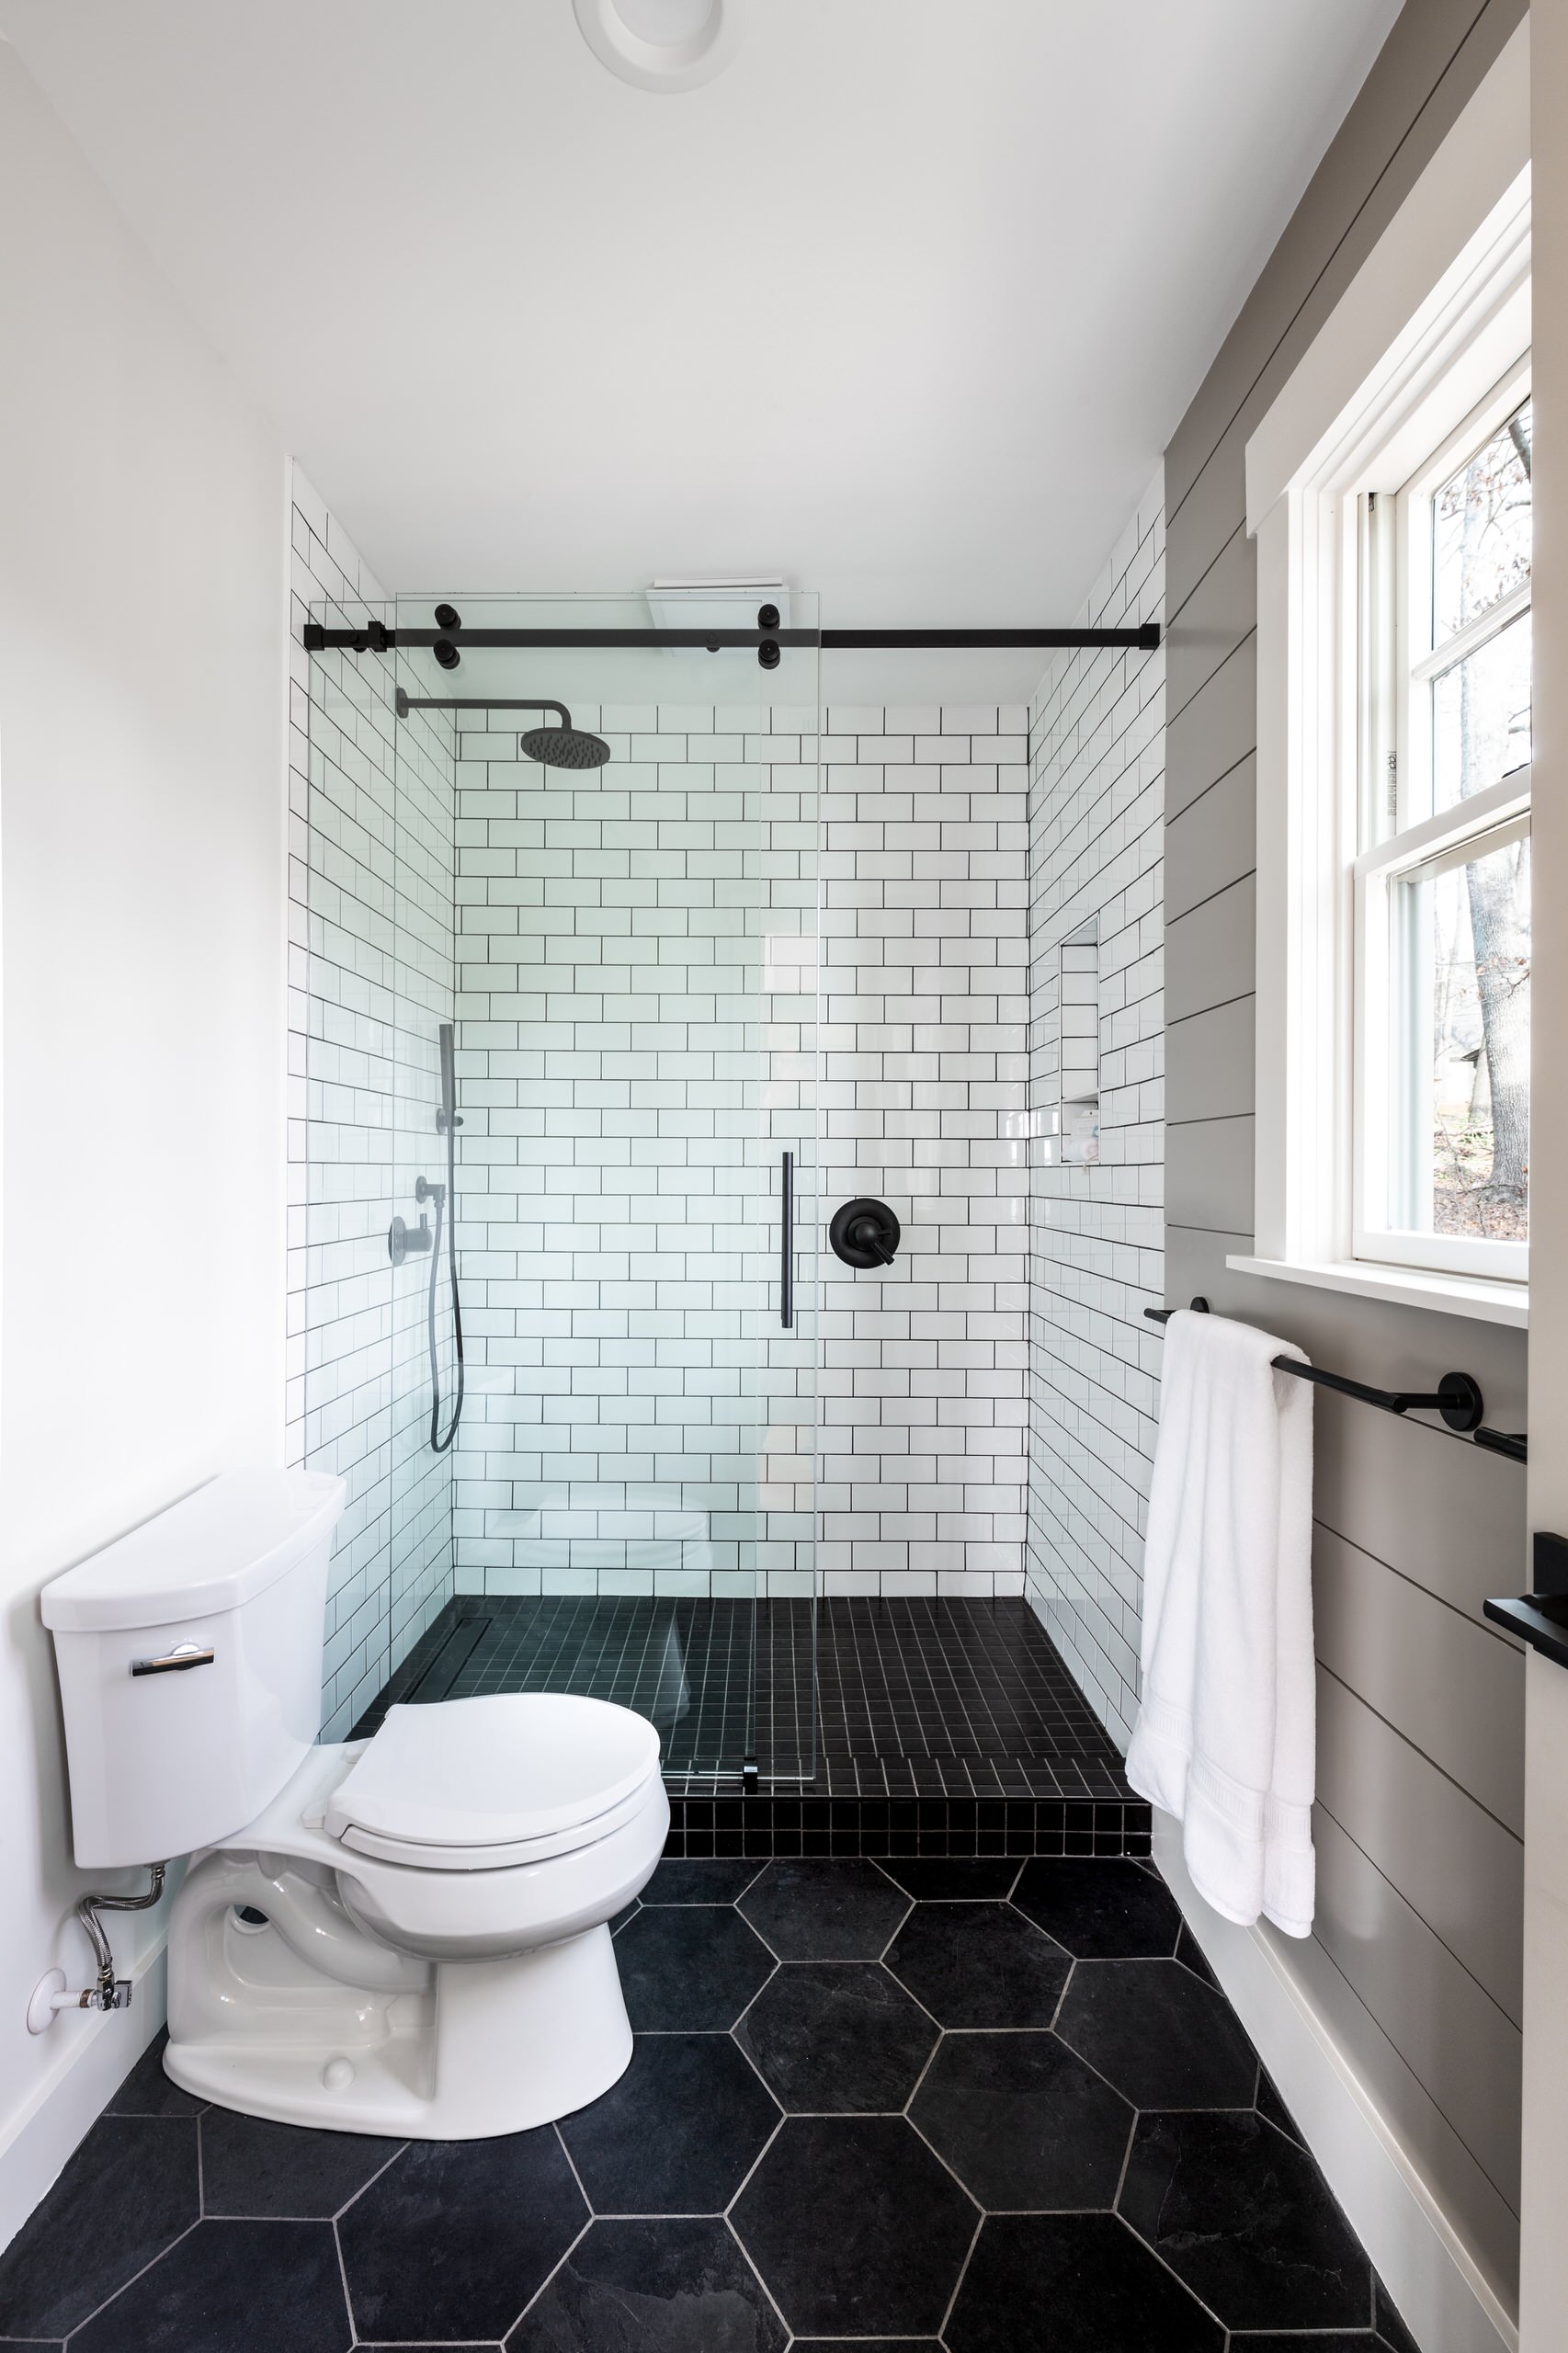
1441 877
1389 490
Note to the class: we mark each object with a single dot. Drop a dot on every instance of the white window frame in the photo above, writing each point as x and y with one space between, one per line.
1434 323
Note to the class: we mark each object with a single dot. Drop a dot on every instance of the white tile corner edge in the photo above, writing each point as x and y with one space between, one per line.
1443 2297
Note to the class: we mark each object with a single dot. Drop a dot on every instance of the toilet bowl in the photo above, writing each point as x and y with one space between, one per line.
407 1935
434 1960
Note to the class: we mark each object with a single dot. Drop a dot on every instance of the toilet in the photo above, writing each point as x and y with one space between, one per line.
405 1935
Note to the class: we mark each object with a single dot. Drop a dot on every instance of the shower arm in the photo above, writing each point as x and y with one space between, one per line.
405 703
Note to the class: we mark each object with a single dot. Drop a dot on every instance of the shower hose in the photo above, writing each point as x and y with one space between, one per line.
438 1444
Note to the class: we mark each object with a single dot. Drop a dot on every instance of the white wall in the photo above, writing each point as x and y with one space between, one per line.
141 832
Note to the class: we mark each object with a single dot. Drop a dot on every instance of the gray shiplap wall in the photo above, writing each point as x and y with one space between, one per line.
1415 1963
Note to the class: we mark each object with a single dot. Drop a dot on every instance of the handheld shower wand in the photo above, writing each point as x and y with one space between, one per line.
403 1239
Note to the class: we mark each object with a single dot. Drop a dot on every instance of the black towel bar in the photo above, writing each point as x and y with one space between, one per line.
1457 1397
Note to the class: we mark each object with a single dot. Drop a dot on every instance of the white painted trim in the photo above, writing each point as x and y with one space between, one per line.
97 2051
1448 281
1477 168
1487 1302
1442 2296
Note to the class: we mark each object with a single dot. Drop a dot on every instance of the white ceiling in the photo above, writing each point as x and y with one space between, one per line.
903 307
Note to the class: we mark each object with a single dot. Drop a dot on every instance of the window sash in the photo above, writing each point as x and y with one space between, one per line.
1392 1088
1399 833
1420 657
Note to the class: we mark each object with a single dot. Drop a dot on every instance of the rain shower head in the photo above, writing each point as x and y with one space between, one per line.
564 747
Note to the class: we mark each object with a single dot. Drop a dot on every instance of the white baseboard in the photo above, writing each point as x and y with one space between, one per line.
1442 2297
97 2051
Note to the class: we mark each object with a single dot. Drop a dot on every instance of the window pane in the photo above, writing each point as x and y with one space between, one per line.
1481 716
1466 1014
1481 529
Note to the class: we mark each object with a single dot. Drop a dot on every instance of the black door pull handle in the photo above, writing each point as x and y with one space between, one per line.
786 1240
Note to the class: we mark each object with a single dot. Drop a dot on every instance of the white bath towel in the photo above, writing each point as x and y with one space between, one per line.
1226 1735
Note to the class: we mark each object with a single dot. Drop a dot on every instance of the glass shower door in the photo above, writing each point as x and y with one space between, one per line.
633 991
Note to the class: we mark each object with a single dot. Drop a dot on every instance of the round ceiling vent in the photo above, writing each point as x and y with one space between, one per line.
662 44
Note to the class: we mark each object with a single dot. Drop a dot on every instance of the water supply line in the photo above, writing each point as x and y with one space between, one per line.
111 1993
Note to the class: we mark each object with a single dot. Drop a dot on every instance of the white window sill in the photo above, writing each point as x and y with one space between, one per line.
1404 1286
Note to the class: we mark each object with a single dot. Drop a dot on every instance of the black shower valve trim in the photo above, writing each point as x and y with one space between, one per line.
864 1233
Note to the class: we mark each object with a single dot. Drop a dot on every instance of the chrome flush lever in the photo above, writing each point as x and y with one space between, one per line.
178 1661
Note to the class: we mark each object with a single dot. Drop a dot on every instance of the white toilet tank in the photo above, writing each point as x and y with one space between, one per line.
190 1655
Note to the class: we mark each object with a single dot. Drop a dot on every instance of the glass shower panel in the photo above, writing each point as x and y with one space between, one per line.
634 1000
372 972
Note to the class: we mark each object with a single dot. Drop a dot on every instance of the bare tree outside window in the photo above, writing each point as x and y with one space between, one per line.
1480 913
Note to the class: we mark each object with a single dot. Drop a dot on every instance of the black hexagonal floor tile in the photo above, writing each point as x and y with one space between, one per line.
978 1965
1244 2217
1190 1954
1339 2340
953 1879
660 2287
1103 1910
689 1968
148 2091
1072 2283
252 2169
1389 2326
825 1910
1160 2036
454 2236
678 2133
856 2227
832 2036
1023 2123
231 2288
1268 2103
722 1879
127 2193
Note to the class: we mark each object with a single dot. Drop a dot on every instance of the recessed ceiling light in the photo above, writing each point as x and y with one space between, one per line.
662 44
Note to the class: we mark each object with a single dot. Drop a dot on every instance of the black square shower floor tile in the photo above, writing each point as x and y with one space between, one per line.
922 1728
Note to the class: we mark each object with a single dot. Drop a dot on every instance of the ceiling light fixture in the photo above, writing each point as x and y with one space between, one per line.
662 44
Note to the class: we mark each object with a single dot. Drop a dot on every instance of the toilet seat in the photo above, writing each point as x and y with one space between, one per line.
494 1783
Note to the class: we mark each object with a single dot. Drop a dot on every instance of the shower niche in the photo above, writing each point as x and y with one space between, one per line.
624 945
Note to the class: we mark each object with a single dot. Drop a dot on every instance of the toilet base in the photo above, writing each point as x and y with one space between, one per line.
434 2051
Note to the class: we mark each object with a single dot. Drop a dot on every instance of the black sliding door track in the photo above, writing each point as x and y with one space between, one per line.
376 638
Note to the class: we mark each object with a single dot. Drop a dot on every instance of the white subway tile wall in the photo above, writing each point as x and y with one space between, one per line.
370 975
925 1088
1096 1218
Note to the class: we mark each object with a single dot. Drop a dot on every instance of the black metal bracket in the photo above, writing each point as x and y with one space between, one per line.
1540 1618
1457 1397
751 1779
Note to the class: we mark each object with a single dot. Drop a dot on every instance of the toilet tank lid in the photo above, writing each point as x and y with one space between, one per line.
210 1552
